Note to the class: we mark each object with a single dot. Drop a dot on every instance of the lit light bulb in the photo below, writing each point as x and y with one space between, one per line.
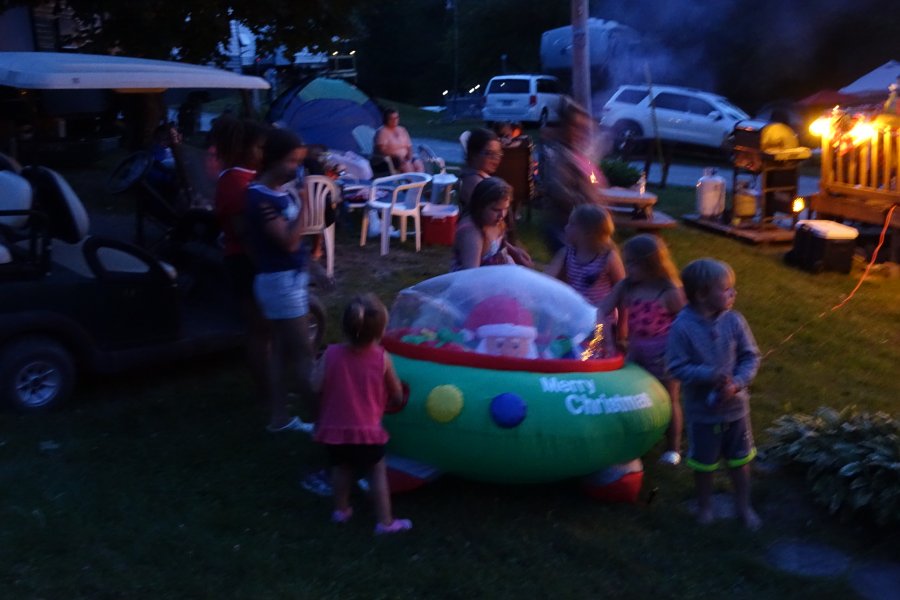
862 132
820 126
798 204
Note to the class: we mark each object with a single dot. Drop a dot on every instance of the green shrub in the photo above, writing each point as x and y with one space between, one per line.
619 173
851 459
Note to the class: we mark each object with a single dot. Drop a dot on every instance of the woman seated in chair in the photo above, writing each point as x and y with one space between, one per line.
483 155
481 234
393 142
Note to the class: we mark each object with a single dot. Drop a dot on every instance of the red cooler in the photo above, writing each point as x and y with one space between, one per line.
439 224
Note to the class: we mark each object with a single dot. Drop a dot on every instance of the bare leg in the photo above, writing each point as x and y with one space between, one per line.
341 483
740 478
676 425
381 494
704 483
259 348
277 397
298 356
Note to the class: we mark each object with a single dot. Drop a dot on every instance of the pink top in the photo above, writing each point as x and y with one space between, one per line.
395 142
354 396
648 319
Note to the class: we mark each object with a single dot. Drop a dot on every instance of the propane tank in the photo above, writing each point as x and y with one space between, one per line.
710 194
745 201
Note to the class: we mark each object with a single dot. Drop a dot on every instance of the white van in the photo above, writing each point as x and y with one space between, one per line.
526 98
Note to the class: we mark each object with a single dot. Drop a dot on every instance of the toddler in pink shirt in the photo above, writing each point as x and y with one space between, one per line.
357 380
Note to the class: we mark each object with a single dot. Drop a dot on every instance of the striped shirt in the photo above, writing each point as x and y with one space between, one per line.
590 279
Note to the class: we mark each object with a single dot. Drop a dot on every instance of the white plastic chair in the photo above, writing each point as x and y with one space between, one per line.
365 139
406 196
319 191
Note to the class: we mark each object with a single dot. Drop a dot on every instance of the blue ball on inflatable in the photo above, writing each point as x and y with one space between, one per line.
508 410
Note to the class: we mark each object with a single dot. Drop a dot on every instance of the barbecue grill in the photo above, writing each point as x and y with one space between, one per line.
771 152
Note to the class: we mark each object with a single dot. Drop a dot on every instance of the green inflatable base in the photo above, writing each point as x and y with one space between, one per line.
574 423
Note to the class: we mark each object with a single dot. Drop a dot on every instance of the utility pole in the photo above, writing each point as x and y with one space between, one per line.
455 46
453 100
581 65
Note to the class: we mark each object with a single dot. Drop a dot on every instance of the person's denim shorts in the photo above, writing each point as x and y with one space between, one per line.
282 295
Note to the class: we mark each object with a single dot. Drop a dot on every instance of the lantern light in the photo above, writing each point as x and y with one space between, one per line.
862 132
820 126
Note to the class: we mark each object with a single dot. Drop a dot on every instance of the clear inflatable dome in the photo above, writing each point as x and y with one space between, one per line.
501 310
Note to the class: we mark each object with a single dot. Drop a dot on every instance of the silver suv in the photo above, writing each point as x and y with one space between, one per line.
682 115
526 98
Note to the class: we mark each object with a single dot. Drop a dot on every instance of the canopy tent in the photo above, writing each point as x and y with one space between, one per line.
877 80
60 71
326 111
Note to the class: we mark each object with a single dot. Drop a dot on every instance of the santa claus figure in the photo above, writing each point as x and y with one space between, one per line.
503 327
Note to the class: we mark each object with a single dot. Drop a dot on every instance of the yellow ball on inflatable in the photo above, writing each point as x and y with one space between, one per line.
444 403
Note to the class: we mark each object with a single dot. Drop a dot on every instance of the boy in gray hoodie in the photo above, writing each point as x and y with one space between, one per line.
712 352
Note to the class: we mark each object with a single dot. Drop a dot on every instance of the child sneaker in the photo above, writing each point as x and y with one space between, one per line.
396 526
317 482
670 458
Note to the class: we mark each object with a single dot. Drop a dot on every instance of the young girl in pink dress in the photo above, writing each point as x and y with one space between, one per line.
648 299
357 380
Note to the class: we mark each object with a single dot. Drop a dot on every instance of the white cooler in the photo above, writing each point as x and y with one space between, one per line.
823 246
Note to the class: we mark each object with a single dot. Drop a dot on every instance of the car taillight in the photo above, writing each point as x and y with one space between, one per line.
532 100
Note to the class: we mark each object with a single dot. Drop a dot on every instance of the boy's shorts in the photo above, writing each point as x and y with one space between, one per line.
359 457
282 295
711 443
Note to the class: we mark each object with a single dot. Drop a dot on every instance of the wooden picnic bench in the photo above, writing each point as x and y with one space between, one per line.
633 210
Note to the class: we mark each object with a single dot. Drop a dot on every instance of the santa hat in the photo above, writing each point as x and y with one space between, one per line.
500 316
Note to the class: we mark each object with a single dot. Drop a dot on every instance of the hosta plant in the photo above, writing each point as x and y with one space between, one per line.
619 173
851 459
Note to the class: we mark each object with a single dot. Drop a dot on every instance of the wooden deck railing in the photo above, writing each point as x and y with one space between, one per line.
866 166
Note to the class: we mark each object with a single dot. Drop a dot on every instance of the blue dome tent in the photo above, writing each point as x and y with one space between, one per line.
326 111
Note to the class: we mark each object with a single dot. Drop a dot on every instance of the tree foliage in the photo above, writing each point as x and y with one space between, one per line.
753 52
196 28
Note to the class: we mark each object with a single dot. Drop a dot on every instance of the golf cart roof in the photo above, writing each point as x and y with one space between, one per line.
61 71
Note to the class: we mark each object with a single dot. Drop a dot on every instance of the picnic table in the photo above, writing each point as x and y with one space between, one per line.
634 210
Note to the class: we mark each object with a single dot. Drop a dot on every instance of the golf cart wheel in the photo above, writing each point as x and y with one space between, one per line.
36 374
316 323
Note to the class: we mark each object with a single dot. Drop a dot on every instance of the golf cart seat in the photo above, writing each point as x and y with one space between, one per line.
18 222
8 163
15 201
68 225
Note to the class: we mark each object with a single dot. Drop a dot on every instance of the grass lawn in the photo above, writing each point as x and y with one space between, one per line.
164 484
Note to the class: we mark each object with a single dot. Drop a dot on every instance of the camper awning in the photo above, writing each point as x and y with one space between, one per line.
60 71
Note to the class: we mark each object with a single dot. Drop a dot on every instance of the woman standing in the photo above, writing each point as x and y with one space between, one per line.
239 147
274 235
570 174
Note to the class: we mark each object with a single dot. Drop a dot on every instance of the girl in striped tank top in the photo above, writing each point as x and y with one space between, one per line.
590 261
